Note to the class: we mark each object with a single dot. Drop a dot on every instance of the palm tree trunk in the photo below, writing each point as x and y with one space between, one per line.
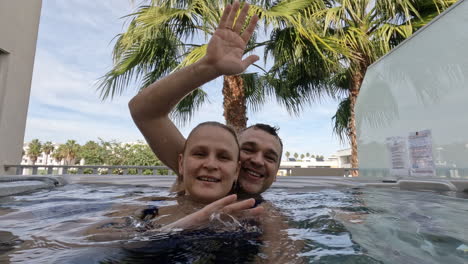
235 110
355 86
352 135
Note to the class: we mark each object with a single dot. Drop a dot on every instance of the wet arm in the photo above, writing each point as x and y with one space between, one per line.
151 107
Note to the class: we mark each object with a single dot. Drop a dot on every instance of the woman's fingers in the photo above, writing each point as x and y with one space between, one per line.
241 19
232 14
239 206
224 17
247 34
249 60
220 204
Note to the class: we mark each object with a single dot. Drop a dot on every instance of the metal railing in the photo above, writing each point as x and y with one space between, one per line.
87 169
150 170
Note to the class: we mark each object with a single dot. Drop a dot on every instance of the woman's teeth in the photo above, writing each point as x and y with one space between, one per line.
208 179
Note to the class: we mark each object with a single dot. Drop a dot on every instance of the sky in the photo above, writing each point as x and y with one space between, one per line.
74 49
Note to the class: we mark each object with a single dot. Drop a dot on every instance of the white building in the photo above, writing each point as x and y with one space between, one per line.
43 159
342 159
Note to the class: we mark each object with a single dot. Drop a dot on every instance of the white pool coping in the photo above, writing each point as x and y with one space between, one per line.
288 182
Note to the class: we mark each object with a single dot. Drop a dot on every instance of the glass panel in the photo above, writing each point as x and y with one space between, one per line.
411 113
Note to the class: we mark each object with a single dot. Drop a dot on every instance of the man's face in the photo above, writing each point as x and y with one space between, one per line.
260 157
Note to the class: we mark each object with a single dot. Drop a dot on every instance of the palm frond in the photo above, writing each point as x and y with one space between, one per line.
186 108
255 93
341 120
153 56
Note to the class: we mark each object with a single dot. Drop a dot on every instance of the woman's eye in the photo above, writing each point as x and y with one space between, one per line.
225 157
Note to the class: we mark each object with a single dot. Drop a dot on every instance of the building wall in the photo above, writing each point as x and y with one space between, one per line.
344 158
19 23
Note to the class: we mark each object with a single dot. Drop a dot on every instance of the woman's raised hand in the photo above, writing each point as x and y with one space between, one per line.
227 45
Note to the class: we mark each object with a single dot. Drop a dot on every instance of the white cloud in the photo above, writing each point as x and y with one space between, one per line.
56 84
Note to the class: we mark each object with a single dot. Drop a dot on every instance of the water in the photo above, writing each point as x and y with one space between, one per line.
322 226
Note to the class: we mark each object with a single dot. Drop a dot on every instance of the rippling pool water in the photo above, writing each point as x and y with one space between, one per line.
331 225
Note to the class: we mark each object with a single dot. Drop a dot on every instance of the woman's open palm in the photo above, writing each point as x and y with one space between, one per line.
227 45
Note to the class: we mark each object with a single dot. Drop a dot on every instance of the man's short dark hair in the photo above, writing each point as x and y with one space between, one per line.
270 130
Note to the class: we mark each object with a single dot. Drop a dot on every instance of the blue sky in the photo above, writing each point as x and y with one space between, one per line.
74 49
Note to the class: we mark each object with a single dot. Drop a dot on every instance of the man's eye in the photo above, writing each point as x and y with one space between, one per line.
199 154
247 150
271 159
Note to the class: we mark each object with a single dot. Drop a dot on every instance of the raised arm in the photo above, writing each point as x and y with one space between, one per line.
151 107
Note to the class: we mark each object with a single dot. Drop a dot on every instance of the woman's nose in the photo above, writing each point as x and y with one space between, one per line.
210 162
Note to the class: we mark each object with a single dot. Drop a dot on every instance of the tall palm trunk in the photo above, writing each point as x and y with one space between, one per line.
235 110
352 134
356 82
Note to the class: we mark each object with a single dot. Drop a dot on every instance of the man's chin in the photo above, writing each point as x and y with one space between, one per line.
250 188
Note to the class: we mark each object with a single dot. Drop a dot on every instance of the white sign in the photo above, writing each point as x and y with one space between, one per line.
399 165
420 152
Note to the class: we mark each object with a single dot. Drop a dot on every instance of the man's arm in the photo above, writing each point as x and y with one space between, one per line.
151 107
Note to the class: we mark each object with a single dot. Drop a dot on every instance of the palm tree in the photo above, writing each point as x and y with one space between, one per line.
158 41
296 155
48 147
34 150
287 154
302 156
70 151
357 33
307 154
58 154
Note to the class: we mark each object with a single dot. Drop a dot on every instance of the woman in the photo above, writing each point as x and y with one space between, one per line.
208 169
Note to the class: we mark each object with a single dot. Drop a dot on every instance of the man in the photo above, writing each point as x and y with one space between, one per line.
261 147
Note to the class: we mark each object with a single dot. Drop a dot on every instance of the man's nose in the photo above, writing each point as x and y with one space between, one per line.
257 158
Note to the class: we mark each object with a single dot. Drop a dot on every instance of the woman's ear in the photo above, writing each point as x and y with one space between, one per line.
181 166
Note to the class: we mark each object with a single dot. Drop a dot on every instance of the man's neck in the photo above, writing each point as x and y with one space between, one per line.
241 195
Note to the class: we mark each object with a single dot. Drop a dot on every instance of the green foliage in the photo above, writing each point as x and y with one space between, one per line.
68 151
93 153
58 153
296 155
330 54
139 154
111 153
287 154
148 172
341 120
159 38
132 172
88 171
34 150
48 147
